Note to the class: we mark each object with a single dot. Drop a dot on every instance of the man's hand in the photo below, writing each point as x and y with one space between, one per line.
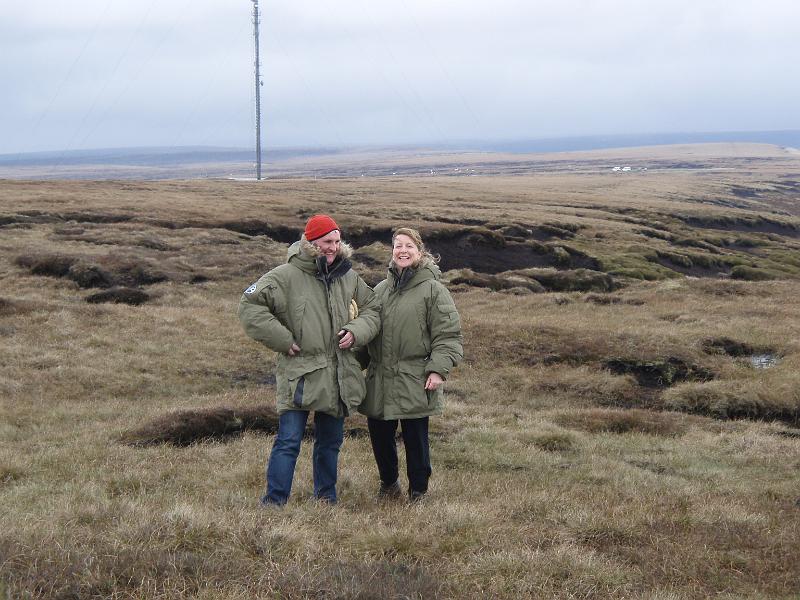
434 381
293 350
347 339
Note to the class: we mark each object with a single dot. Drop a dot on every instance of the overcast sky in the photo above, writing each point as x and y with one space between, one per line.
122 73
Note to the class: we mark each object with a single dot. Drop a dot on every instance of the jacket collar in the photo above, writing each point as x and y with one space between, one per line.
409 278
306 257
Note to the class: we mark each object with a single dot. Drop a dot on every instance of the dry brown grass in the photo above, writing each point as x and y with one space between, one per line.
560 471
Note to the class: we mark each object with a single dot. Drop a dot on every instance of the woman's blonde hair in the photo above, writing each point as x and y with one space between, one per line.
426 257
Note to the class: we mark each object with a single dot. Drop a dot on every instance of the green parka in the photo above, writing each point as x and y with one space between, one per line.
420 334
307 303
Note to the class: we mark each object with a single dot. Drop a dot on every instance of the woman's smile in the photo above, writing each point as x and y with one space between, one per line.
405 252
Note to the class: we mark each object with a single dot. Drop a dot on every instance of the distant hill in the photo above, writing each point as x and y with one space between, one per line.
193 162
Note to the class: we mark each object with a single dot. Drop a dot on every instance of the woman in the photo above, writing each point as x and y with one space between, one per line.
417 346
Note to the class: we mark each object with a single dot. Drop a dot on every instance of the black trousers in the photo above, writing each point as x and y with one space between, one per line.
418 455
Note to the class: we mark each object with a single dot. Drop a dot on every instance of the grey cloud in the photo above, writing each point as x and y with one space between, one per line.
107 73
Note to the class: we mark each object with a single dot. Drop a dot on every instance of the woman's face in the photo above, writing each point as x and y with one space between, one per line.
405 252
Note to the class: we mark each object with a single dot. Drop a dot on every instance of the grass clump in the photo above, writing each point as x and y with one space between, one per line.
553 441
185 427
731 347
89 275
499 282
97 272
601 420
13 307
119 295
742 399
636 264
50 265
10 473
578 280
658 373
752 273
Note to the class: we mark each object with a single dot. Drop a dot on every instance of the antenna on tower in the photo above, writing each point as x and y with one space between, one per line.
258 92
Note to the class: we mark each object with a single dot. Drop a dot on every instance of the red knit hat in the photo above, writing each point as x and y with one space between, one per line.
318 226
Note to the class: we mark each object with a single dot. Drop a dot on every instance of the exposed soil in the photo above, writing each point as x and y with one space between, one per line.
50 265
744 192
537 280
793 434
731 347
754 224
471 246
99 272
250 378
37 216
279 233
222 424
129 296
658 373
488 251
187 427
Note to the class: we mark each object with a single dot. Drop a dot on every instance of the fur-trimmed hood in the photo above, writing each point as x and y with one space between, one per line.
408 278
306 247
306 256
424 262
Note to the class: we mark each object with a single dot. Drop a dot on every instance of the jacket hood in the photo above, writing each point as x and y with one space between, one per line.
425 271
304 254
306 247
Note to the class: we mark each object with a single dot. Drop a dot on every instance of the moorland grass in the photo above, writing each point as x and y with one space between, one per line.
555 475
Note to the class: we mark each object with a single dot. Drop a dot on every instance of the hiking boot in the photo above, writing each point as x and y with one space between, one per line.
390 492
415 496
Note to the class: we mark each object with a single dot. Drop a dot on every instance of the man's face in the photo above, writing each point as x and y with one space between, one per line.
329 245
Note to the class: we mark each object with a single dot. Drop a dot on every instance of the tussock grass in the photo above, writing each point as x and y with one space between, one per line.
52 265
185 427
10 307
119 295
658 373
553 476
625 421
752 274
743 399
112 270
731 347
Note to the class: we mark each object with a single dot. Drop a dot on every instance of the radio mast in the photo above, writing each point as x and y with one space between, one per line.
258 92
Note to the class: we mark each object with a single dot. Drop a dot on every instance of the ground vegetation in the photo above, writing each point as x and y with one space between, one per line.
613 432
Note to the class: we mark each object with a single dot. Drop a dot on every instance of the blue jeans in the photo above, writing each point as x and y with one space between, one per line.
328 435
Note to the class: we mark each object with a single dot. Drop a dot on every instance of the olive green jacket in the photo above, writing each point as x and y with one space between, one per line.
307 303
420 334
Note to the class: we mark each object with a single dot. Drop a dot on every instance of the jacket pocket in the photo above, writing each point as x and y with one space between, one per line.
294 388
410 390
353 386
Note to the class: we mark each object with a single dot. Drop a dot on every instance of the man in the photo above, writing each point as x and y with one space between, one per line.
314 311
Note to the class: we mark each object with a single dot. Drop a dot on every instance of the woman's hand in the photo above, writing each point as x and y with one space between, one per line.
434 381
346 339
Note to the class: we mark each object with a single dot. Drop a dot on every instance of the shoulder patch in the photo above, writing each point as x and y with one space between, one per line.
251 289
